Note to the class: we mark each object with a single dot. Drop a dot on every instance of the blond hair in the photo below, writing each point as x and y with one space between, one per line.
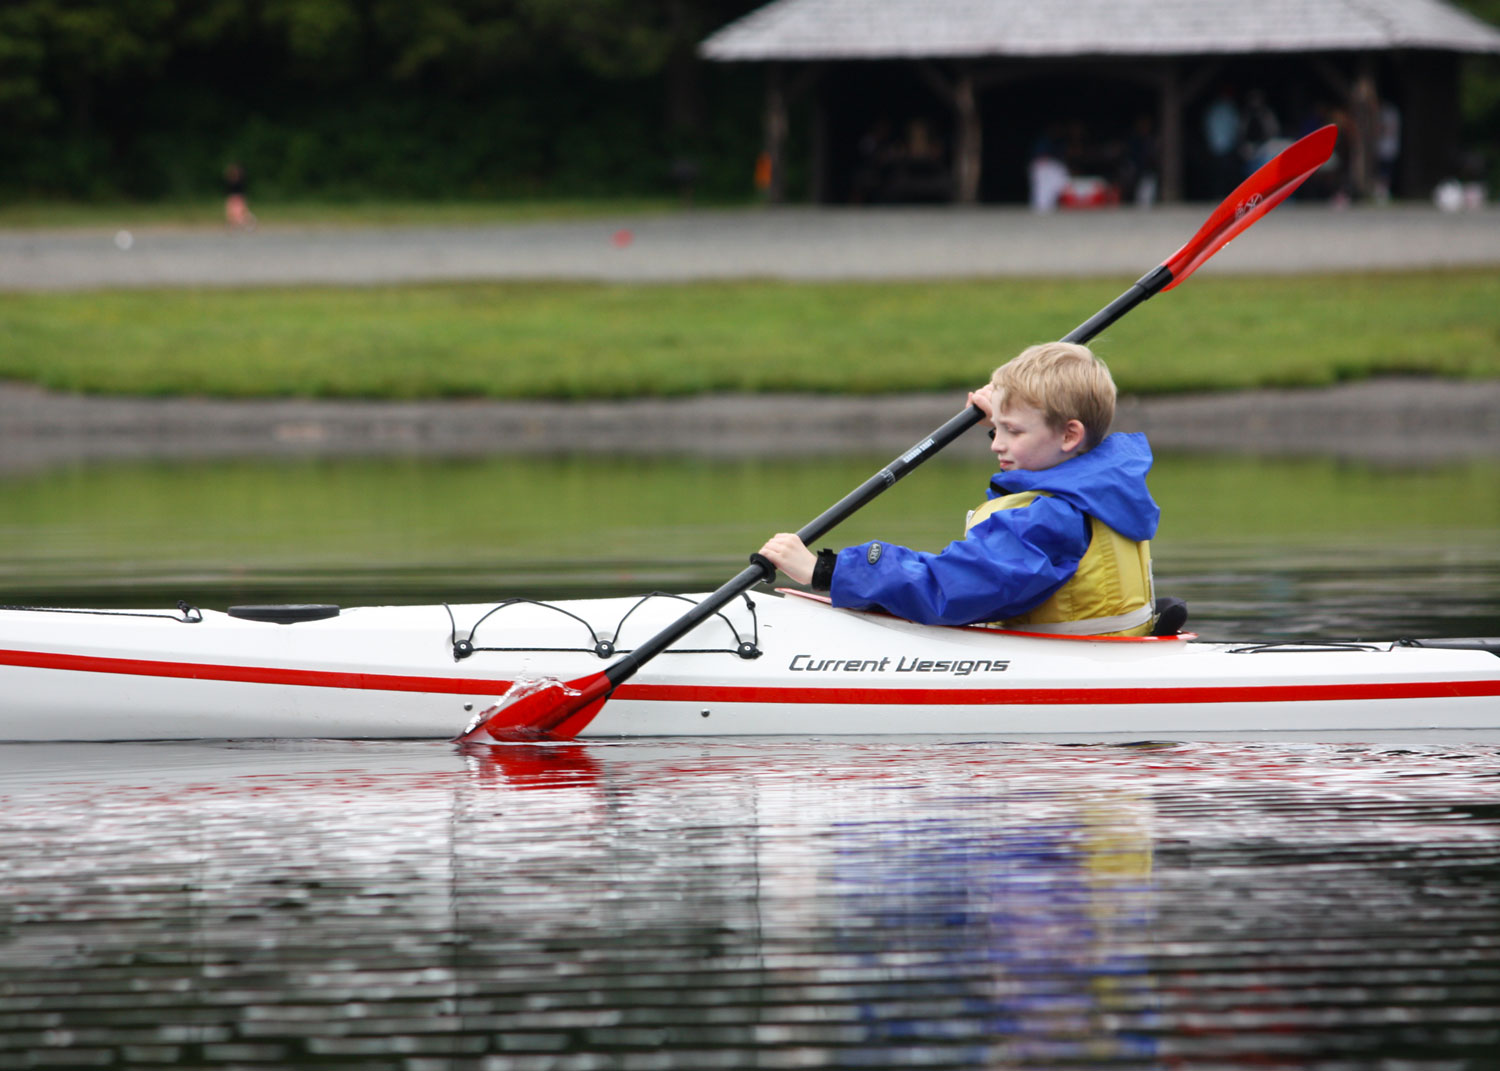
1063 381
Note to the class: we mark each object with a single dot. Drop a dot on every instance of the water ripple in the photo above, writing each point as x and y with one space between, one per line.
773 904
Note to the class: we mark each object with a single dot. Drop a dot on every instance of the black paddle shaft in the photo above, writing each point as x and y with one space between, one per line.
761 570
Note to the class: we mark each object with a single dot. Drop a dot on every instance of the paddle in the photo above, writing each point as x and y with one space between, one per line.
553 710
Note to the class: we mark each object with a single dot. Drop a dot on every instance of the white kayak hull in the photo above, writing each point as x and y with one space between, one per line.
406 672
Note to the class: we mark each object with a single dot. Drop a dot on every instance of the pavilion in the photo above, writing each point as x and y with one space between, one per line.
974 85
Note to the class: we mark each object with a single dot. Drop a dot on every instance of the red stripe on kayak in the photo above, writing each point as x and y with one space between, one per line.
1234 693
711 693
308 678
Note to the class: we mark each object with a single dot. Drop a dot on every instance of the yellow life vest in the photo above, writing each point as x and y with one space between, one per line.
1111 594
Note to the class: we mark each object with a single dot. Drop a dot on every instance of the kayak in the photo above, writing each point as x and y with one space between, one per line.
782 663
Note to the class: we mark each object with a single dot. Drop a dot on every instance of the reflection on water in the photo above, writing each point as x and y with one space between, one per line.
1353 588
776 904
1260 548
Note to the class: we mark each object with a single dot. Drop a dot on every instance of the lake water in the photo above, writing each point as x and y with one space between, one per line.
775 904
892 902
1260 548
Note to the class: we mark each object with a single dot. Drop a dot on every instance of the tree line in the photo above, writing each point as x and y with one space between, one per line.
1481 93
151 99
403 98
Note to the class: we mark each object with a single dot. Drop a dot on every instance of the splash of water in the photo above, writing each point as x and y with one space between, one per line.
521 688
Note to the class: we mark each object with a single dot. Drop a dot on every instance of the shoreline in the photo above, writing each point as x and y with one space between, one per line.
1382 420
1388 420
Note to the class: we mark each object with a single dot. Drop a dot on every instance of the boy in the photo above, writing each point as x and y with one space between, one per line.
1062 544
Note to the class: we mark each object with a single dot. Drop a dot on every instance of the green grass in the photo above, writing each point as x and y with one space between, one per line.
209 212
544 340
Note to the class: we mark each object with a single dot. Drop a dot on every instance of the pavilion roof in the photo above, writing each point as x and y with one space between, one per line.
890 29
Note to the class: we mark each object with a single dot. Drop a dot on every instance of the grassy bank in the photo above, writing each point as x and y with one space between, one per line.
537 340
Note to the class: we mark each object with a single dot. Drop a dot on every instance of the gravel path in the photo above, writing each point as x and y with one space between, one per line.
792 243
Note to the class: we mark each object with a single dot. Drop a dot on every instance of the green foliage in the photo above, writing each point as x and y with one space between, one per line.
540 340
63 53
1481 92
23 98
151 98
1488 10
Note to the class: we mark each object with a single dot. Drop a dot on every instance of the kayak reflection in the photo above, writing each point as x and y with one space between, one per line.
858 911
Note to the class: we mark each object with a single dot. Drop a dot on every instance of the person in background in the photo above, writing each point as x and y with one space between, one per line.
1387 149
1048 172
1262 132
236 208
1141 163
1223 130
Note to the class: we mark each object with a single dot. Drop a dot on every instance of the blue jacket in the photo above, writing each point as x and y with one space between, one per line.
1016 558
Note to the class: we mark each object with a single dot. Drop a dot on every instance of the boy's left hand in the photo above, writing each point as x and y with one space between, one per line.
789 554
984 399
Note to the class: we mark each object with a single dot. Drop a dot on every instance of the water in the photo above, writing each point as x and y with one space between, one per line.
892 903
1259 548
769 904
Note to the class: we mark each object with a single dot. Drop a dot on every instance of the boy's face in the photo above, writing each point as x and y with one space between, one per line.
1024 440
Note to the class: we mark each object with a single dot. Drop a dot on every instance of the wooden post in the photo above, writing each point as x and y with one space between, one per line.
1170 125
1364 115
817 179
970 153
962 96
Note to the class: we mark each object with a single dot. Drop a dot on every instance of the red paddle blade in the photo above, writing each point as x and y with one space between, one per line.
1268 187
544 709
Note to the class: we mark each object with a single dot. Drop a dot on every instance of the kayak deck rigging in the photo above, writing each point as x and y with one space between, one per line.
187 613
603 642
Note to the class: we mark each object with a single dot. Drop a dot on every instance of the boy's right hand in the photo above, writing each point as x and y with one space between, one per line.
789 554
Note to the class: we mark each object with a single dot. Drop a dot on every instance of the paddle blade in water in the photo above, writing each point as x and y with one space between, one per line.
1268 187
546 709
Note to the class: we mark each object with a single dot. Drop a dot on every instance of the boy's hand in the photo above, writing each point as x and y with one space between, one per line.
984 398
789 554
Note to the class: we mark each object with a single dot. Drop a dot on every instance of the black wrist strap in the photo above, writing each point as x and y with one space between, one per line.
822 577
